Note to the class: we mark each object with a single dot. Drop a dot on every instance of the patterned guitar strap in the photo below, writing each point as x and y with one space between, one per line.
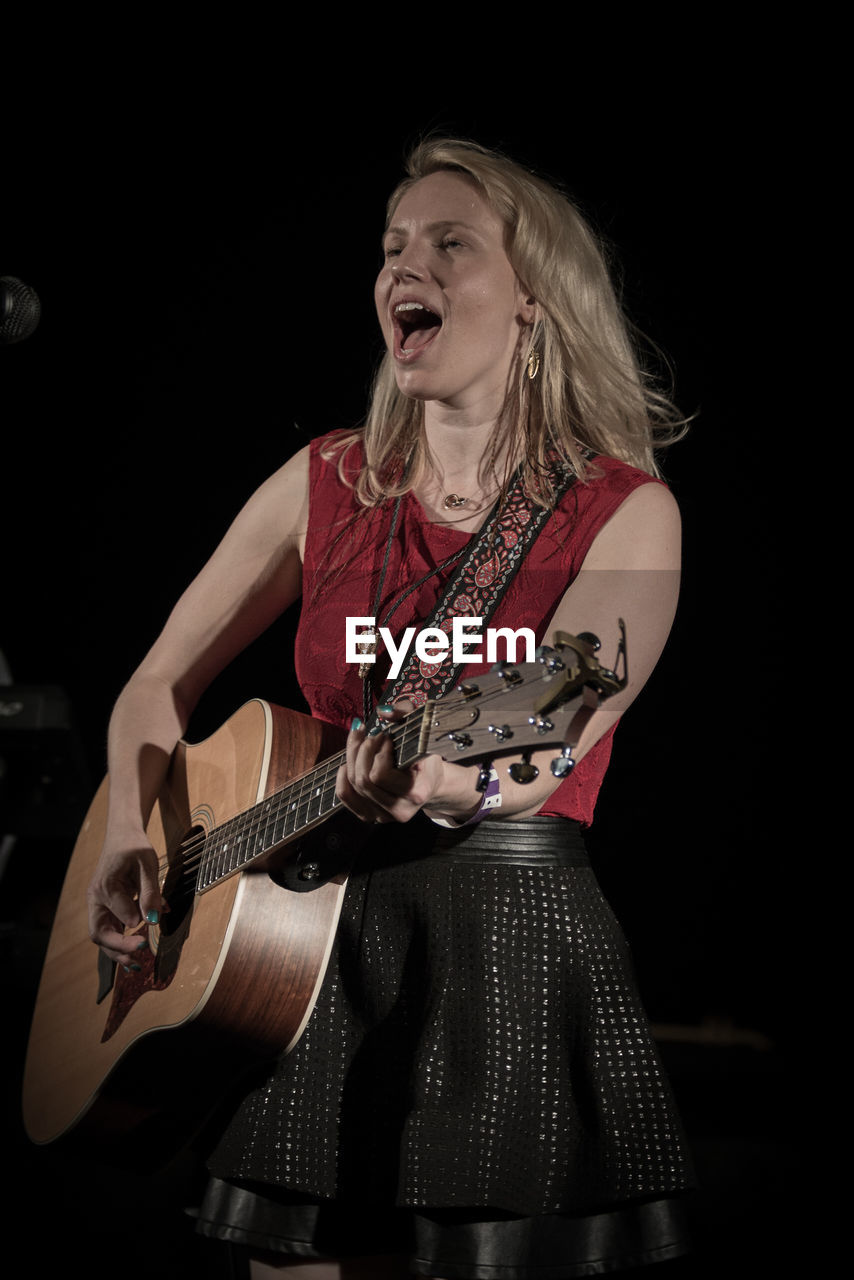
490 561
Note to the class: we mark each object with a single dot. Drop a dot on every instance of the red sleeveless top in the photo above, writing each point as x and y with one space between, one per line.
345 548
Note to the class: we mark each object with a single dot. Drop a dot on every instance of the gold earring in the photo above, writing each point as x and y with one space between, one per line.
533 364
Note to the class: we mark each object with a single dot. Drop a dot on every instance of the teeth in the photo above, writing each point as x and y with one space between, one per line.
408 306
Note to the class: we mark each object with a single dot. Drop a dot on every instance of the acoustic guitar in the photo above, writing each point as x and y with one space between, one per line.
129 1062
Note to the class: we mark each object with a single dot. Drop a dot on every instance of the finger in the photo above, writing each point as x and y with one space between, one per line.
375 773
361 753
374 805
346 787
363 808
151 900
397 710
355 738
369 784
392 790
116 943
118 901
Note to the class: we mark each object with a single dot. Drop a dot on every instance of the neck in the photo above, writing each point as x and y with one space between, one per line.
457 444
460 443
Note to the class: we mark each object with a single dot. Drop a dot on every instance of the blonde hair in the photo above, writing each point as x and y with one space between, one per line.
590 392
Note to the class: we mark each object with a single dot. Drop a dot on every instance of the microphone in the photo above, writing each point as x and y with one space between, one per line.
20 310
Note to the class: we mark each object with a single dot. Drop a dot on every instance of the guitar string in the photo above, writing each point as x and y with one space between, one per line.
244 829
292 799
272 807
268 812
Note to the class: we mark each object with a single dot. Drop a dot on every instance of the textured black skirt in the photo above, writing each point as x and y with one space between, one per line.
478 1064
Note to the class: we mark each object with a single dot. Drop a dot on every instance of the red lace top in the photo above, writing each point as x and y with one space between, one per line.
345 548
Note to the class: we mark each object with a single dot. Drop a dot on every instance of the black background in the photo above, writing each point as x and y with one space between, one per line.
205 261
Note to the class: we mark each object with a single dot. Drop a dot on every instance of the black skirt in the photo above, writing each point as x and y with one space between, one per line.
479 1060
456 1244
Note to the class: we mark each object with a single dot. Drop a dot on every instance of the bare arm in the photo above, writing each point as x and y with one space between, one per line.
632 572
253 575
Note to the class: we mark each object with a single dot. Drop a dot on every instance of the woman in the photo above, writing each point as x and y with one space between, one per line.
477 1087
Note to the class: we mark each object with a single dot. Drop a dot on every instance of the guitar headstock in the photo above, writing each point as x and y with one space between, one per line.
521 707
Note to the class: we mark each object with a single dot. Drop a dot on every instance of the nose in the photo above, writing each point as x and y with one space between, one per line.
408 264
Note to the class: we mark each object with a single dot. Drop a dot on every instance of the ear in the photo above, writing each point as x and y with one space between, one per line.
528 309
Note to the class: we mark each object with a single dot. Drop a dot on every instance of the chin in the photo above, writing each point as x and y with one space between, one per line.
410 383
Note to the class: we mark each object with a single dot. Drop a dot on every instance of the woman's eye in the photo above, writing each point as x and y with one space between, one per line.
450 242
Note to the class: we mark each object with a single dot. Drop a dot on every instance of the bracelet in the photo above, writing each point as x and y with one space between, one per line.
491 800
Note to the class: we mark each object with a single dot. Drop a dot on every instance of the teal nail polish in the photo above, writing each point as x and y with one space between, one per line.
143 945
136 968
152 917
378 728
357 724
386 709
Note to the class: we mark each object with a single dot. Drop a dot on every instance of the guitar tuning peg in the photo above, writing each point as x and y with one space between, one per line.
589 638
549 658
523 771
484 774
505 672
563 765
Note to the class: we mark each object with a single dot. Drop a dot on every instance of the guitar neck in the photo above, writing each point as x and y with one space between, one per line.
303 803
530 705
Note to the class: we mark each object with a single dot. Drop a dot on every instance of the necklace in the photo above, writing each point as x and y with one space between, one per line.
454 501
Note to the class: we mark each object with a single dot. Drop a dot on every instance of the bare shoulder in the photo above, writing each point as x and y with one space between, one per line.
287 485
251 577
294 472
277 512
260 551
645 531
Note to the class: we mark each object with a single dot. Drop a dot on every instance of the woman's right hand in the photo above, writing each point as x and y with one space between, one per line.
124 892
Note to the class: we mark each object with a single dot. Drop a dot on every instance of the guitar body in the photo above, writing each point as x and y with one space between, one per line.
131 1061
230 976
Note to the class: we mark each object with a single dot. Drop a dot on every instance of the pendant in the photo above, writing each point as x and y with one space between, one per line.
453 500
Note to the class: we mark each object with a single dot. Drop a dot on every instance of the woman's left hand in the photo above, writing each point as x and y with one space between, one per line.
372 787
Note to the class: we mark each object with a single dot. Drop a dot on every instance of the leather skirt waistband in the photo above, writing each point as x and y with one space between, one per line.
528 842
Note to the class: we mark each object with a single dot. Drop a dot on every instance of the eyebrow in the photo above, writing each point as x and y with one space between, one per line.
433 227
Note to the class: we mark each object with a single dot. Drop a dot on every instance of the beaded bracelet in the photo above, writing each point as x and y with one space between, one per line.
491 800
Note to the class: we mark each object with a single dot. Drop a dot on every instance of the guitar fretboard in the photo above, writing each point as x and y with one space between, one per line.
302 803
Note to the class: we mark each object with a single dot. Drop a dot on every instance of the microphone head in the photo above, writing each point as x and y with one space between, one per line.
20 310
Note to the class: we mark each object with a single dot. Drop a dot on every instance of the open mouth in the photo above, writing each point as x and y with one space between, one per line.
415 325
